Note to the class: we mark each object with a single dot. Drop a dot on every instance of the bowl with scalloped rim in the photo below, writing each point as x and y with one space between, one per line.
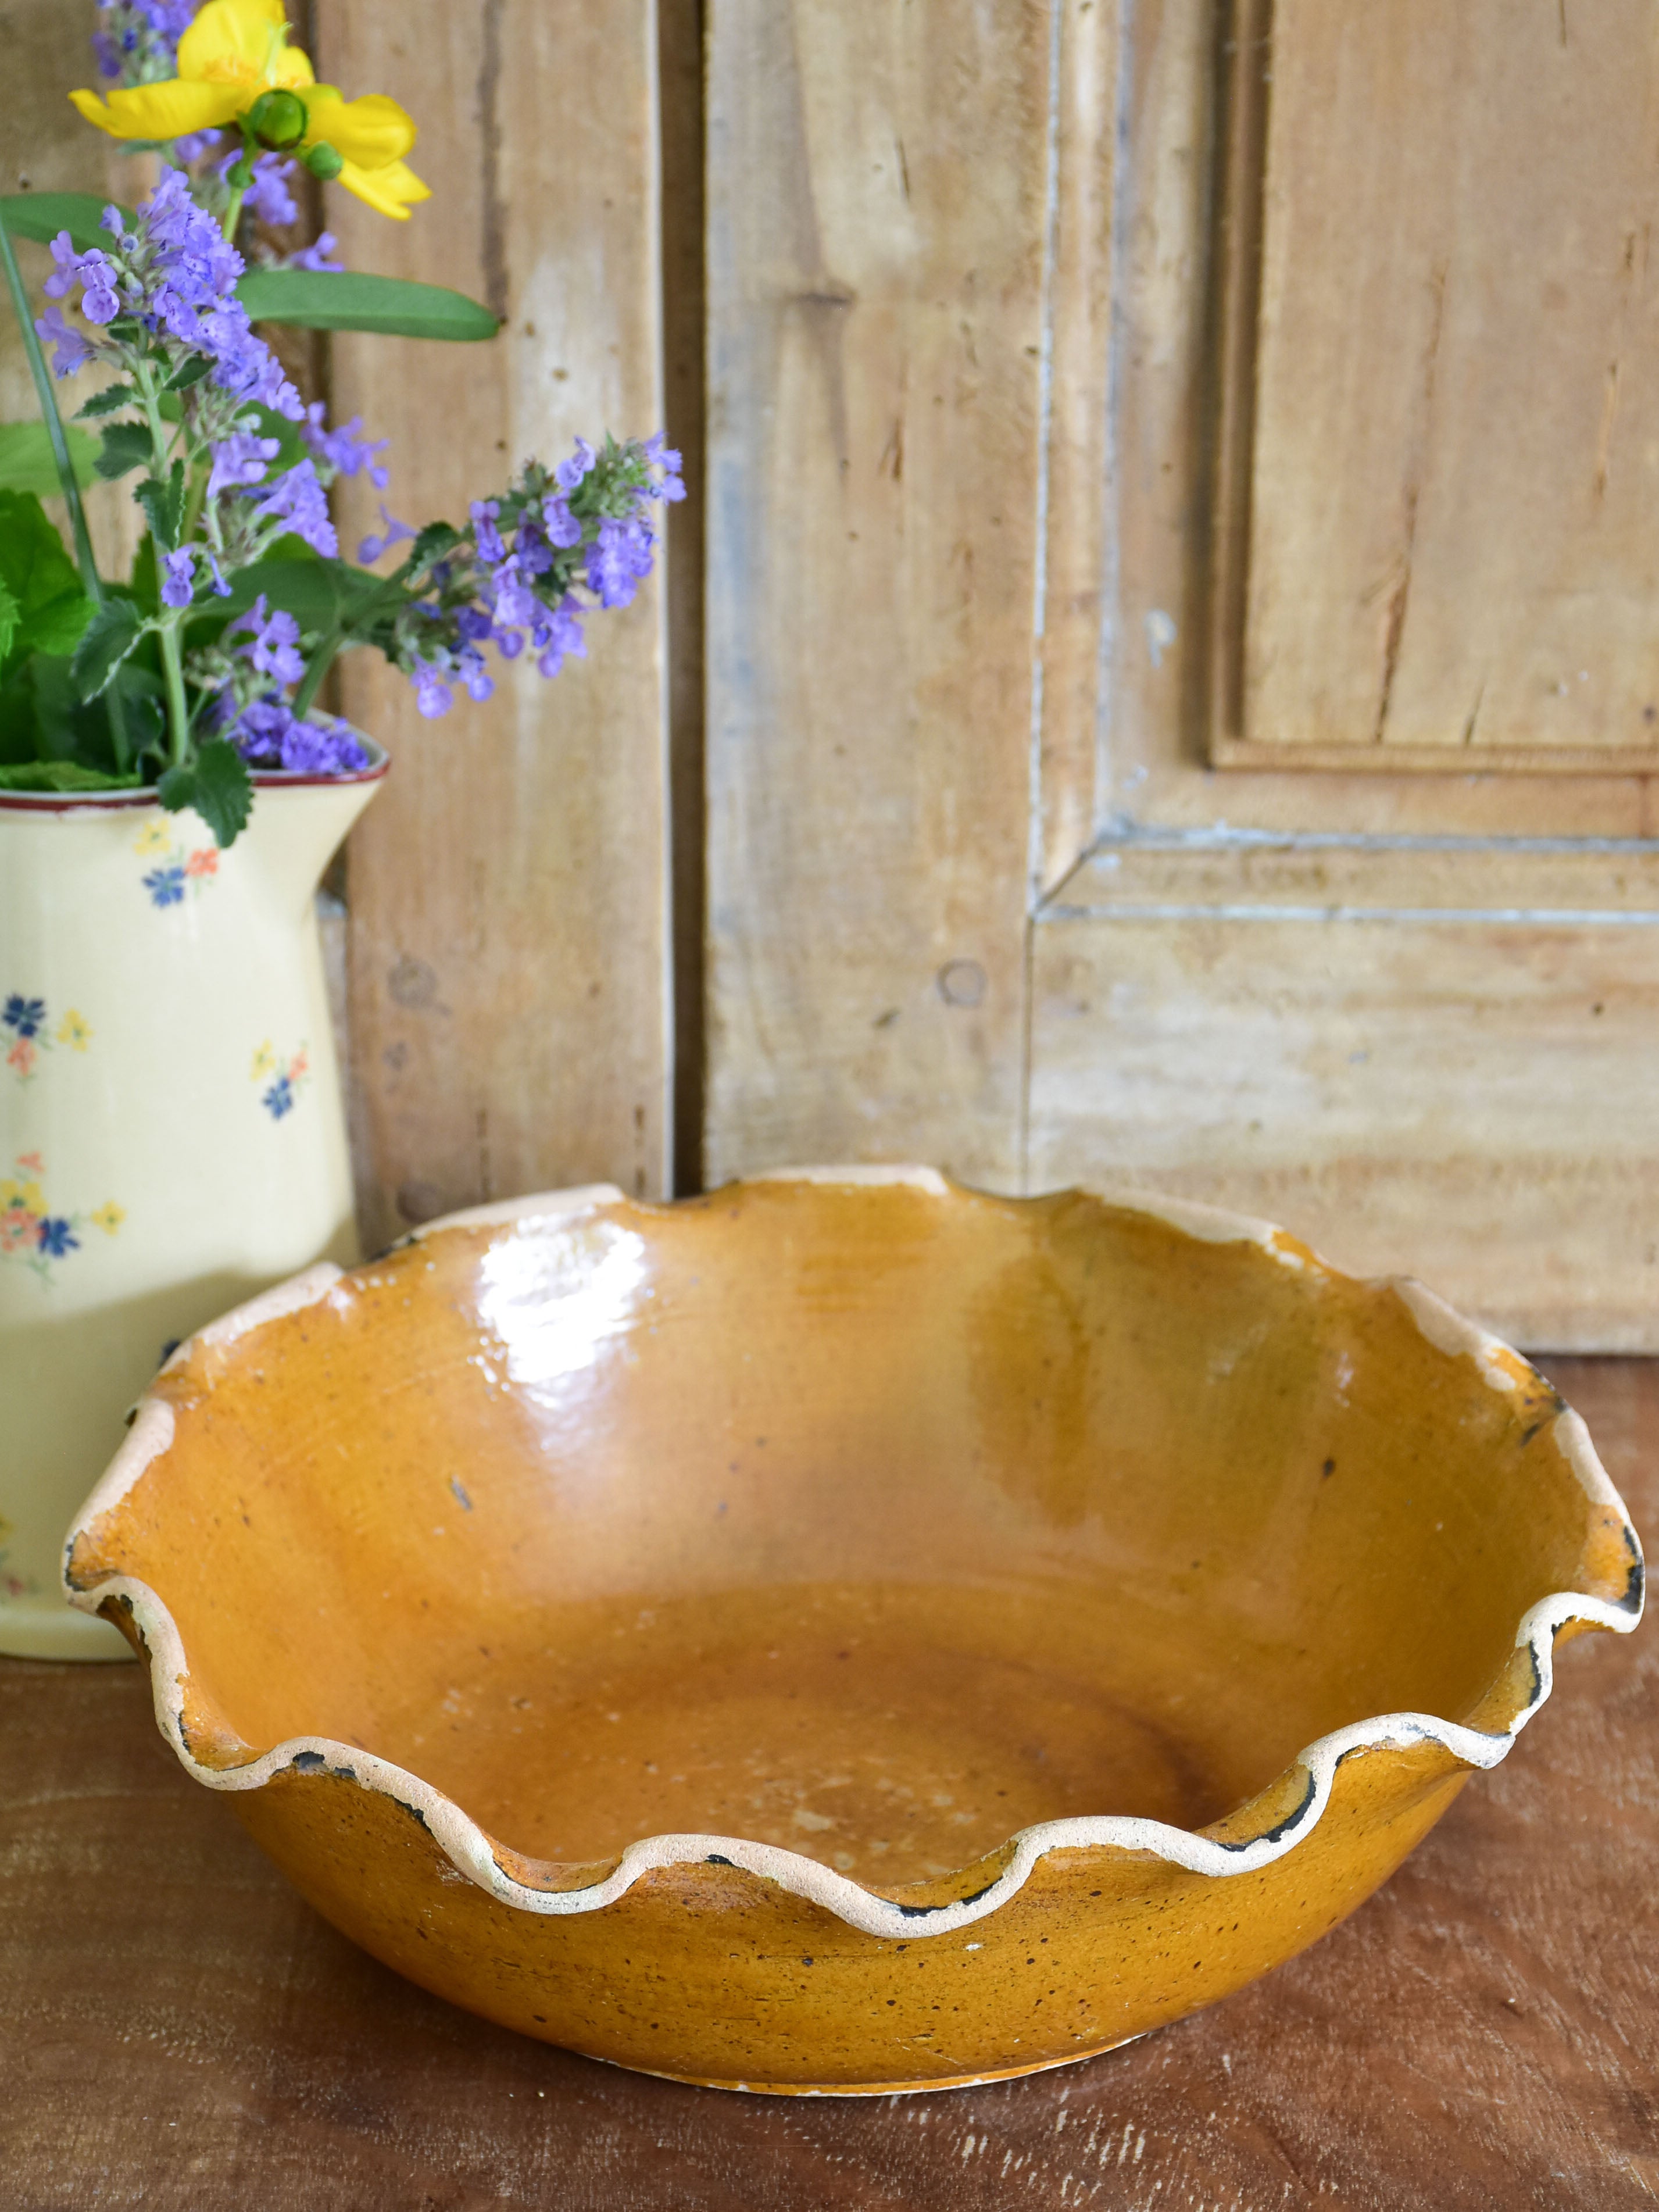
847 1633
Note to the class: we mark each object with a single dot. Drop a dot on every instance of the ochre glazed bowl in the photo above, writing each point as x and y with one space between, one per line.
847 1633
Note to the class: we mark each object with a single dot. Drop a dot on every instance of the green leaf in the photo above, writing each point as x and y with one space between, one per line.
11 618
42 578
109 637
41 215
27 462
113 396
304 589
190 371
63 775
317 299
126 446
216 784
164 506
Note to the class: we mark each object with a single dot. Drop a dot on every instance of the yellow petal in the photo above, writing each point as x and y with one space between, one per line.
231 39
391 190
291 68
371 132
161 111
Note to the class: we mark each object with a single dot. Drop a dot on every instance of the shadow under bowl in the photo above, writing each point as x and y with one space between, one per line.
846 1632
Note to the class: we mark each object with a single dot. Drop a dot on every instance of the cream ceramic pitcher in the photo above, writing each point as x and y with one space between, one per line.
172 1131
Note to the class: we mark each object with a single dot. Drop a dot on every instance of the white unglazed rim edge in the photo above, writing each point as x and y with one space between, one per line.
468 1848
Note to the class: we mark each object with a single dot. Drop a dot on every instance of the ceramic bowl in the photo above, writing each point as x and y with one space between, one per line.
847 1633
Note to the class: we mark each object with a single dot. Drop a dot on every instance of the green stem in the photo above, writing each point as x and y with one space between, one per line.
239 181
53 421
324 654
85 562
322 660
172 668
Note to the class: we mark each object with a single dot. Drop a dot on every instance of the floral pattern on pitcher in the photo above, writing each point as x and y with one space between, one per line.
284 1080
180 869
30 1233
26 1032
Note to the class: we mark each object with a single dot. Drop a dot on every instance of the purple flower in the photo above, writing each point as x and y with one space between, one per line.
433 696
563 528
241 460
480 684
657 454
617 560
324 747
560 638
177 577
272 642
570 473
345 450
24 1015
194 144
485 535
515 603
100 301
268 195
71 351
317 256
55 1239
371 548
267 736
297 499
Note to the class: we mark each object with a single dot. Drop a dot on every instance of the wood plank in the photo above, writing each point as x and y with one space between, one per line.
878 207
178 2031
507 892
1155 765
1453 547
1077 459
1434 1063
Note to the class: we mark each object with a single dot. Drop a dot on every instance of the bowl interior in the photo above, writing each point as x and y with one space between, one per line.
879 1523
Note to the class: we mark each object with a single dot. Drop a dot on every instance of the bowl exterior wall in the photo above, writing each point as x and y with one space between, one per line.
709 1974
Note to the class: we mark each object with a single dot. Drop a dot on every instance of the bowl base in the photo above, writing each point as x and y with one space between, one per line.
881 2088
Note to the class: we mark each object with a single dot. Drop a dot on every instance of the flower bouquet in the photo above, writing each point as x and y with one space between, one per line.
171 1133
206 662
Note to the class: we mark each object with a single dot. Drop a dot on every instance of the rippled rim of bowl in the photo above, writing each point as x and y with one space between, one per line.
469 1847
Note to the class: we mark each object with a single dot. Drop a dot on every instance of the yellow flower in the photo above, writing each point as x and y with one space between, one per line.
154 837
26 1195
109 1217
74 1031
233 54
264 1061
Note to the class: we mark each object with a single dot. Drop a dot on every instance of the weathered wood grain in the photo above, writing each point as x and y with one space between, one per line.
1452 542
508 891
178 2031
1164 405
878 194
1433 1062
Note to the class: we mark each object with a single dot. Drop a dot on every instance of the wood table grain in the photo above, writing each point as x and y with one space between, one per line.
177 2030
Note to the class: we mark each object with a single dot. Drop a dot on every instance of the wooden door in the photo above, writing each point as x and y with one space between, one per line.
1169 626
1184 654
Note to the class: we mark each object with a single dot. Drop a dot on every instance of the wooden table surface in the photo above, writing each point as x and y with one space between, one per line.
177 2030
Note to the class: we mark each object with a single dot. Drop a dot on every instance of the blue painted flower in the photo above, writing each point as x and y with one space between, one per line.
24 1015
279 1098
166 886
55 1237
